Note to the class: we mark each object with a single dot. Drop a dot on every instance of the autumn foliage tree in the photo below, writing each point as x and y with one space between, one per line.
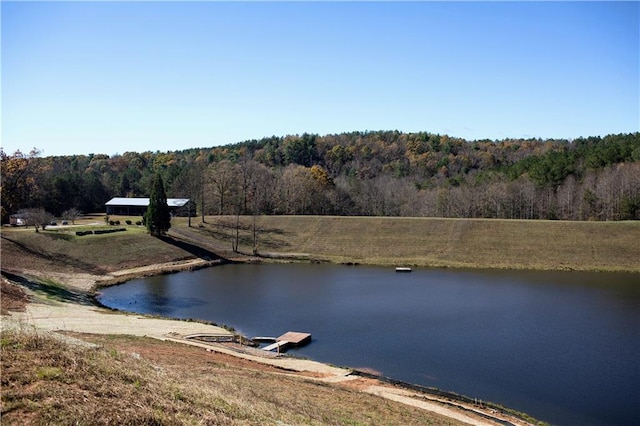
17 180
386 173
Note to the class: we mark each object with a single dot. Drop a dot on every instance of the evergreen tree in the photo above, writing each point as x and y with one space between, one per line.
157 218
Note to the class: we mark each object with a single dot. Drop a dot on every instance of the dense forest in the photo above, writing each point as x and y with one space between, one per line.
372 173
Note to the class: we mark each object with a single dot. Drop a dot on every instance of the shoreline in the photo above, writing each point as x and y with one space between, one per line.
121 277
433 392
69 317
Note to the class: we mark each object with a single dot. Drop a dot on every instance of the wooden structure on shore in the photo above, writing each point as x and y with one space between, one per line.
221 338
291 338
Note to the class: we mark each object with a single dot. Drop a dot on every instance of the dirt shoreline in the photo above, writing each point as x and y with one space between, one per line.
84 318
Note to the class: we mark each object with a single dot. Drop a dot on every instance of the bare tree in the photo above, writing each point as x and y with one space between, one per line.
37 217
258 194
427 199
71 214
463 202
189 184
247 172
567 194
494 196
223 176
523 193
367 197
296 190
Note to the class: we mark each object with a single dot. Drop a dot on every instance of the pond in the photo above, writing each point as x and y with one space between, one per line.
560 346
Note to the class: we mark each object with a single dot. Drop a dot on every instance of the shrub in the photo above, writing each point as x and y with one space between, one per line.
108 231
128 222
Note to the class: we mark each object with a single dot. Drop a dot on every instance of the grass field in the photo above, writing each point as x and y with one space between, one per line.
435 242
421 242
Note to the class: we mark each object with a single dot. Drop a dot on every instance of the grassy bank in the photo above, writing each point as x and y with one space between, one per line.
435 242
424 242
139 381
62 250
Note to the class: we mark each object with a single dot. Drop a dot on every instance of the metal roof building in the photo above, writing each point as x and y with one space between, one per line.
138 206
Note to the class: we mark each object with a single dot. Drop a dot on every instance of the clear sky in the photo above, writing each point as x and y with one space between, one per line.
112 77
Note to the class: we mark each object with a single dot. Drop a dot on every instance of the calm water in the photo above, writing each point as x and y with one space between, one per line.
563 347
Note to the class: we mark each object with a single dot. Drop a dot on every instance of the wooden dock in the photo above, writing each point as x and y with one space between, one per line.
276 345
291 338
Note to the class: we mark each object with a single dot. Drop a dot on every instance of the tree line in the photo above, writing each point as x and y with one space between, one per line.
371 173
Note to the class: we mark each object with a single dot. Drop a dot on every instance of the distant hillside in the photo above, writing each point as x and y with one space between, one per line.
377 173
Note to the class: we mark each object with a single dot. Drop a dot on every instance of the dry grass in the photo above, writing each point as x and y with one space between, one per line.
12 297
427 242
468 243
46 381
96 254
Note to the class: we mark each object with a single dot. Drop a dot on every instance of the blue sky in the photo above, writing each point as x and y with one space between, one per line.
112 77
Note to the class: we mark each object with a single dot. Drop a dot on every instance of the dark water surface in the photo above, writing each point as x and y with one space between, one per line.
563 347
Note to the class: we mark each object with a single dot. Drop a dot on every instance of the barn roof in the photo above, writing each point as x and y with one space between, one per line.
144 202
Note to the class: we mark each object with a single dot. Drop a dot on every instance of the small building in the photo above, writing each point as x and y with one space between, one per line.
19 219
138 206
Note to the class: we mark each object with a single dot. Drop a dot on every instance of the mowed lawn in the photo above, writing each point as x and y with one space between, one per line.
438 242
424 242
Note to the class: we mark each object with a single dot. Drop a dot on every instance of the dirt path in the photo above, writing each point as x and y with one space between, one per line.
61 316
68 317
88 283
43 313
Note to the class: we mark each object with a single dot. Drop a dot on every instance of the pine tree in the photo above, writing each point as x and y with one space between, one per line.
157 218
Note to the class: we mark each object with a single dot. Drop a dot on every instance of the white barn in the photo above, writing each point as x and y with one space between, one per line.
138 206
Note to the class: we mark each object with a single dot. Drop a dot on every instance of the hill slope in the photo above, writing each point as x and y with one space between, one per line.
433 242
